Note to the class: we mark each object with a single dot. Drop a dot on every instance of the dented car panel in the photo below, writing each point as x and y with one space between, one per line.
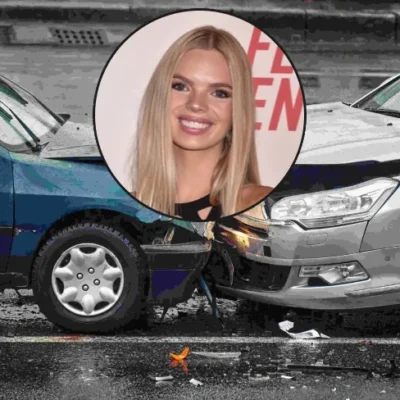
384 229
290 253
290 241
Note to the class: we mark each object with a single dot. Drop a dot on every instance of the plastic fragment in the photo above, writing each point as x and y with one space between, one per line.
195 382
182 356
366 342
286 326
383 391
219 355
286 377
363 349
183 364
259 378
163 383
334 390
161 378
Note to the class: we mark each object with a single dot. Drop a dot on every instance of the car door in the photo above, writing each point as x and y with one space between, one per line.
6 207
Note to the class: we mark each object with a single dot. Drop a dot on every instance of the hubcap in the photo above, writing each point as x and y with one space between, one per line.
88 279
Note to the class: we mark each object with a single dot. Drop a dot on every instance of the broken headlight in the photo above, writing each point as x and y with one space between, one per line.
335 207
335 274
255 217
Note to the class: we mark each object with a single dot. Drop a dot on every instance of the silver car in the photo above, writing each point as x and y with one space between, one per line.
328 237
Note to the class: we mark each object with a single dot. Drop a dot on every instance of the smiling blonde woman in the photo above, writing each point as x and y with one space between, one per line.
196 155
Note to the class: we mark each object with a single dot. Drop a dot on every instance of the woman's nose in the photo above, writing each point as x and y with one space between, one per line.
197 102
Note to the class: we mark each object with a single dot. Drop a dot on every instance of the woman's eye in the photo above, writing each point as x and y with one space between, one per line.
223 94
179 86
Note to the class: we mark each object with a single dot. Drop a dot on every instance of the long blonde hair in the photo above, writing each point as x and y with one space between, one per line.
155 163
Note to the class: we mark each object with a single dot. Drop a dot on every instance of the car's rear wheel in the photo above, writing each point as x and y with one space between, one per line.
90 277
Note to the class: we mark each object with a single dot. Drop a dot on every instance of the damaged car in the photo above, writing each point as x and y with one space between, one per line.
93 256
328 237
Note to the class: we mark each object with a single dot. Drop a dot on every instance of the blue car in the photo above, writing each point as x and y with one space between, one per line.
93 256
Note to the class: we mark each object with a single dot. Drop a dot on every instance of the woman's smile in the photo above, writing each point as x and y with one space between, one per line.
193 125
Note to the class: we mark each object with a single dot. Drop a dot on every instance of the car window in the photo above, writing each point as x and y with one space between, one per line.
385 98
24 120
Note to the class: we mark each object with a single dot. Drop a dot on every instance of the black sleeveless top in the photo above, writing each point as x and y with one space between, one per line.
189 211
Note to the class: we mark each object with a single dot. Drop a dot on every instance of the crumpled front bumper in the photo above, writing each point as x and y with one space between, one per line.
271 259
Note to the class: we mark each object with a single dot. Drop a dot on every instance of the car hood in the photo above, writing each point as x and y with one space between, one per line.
73 140
338 134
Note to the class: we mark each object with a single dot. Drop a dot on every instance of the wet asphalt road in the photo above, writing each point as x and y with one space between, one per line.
109 369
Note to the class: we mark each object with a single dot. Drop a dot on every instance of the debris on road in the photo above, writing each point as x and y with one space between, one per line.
195 382
286 326
287 377
366 342
163 383
161 378
218 355
323 367
182 356
259 378
183 364
363 349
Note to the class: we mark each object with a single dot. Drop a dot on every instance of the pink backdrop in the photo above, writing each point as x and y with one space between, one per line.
279 100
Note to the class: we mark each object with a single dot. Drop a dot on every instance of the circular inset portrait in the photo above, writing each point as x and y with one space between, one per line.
199 115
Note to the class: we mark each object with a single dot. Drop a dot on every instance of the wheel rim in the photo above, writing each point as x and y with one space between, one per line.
88 279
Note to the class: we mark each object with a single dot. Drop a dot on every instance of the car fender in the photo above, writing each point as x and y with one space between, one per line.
383 229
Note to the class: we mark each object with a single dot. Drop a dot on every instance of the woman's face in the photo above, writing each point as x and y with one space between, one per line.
201 100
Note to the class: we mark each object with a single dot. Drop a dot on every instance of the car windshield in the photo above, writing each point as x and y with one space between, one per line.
25 123
385 100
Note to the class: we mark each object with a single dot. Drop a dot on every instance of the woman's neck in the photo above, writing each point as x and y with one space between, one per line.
195 169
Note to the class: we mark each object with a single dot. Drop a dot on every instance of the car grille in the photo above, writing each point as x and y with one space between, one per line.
252 275
255 275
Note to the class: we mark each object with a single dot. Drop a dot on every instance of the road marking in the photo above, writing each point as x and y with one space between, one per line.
188 339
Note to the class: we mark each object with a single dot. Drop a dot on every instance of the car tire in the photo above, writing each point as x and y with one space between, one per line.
55 277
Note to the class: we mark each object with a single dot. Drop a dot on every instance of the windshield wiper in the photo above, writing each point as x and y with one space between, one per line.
384 111
36 140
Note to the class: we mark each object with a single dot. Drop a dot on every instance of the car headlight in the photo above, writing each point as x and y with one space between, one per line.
335 207
254 217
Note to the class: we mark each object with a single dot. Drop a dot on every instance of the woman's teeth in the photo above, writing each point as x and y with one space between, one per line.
194 124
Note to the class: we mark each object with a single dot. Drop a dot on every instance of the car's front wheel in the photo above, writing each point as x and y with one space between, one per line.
89 277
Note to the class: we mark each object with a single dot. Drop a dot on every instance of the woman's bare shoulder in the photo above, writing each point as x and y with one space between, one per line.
253 194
